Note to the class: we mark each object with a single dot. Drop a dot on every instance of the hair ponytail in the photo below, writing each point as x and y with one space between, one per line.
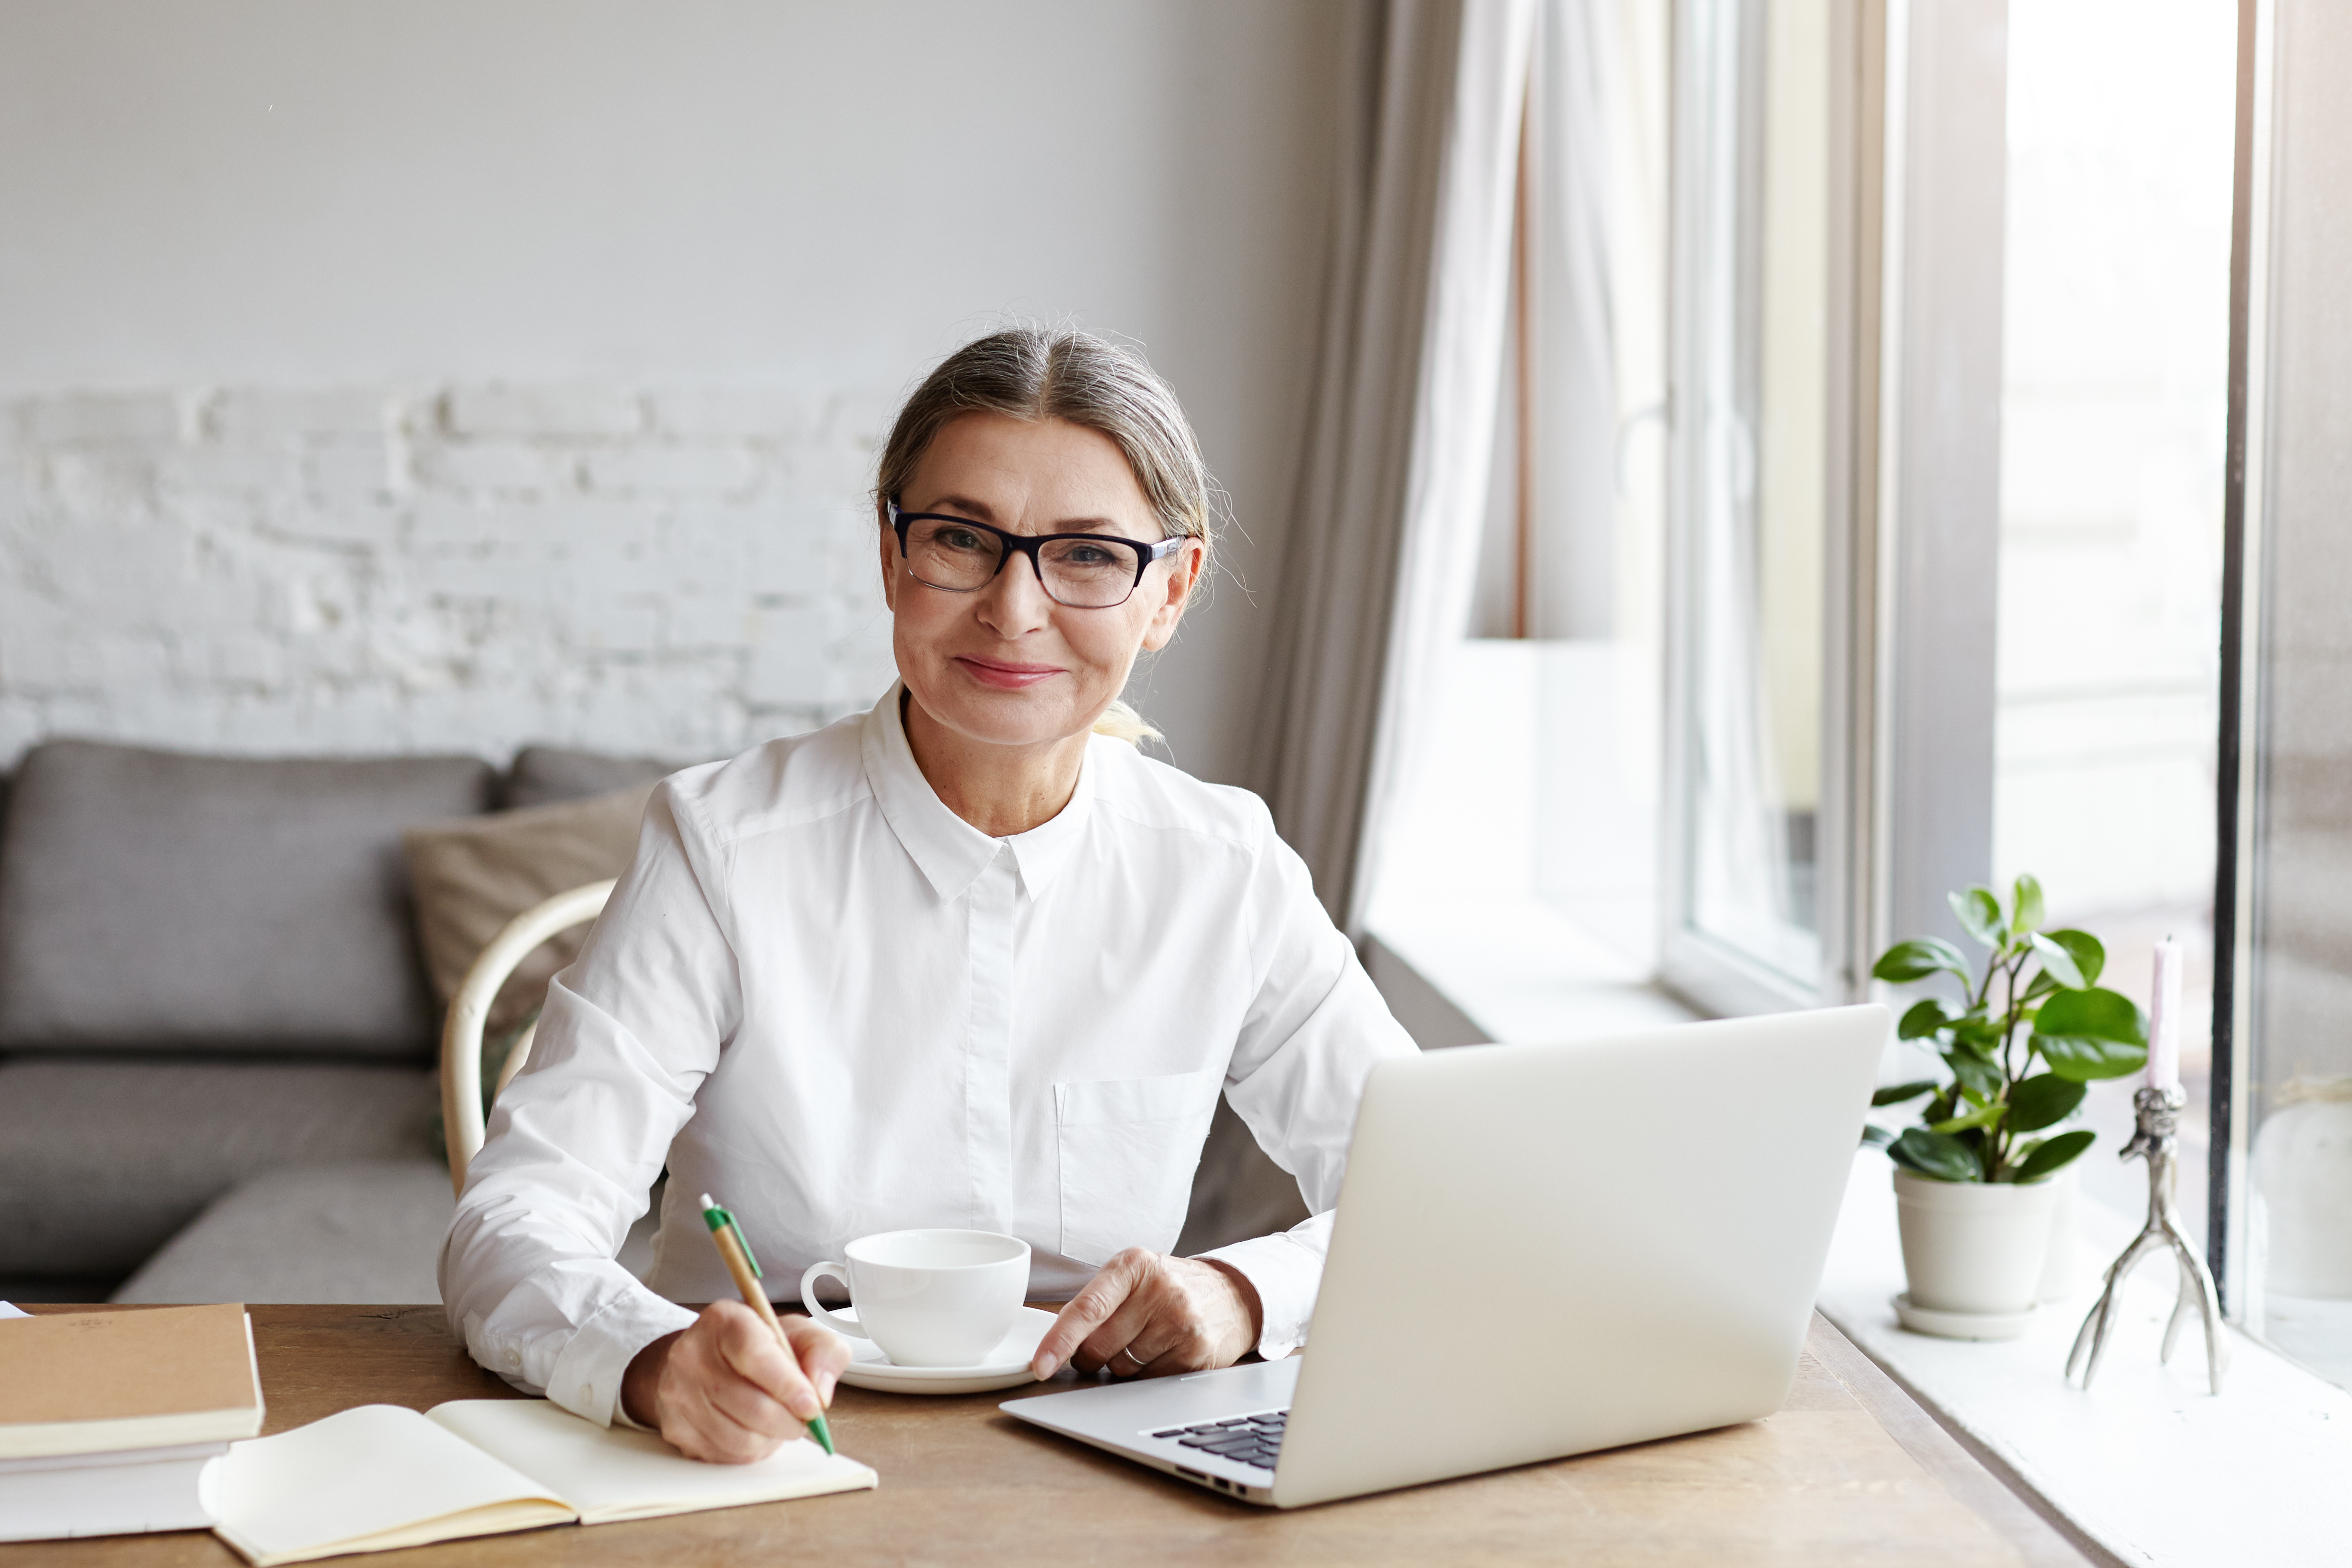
1120 721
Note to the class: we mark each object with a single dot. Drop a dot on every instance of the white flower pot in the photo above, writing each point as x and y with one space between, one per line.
1974 1247
2303 1168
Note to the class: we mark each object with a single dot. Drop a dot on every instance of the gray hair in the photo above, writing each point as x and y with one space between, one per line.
1034 374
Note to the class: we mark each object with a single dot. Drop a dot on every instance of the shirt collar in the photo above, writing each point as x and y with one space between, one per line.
951 852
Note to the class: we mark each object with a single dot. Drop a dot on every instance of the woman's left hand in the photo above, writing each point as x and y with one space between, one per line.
1147 1313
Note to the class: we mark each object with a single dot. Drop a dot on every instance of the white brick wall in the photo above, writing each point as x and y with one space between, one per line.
677 569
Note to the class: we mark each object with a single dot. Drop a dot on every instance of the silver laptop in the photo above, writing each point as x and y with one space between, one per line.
1540 1250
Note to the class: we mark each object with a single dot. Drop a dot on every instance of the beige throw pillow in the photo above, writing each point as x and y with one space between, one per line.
472 875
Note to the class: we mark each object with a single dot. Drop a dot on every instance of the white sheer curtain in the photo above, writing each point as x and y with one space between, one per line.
1383 545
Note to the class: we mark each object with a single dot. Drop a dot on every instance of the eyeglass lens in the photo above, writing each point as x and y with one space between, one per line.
1085 574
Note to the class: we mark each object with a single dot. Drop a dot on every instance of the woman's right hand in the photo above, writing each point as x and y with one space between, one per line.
724 1390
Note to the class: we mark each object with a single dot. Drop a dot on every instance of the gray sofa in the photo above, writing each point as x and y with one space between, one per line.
217 1042
215 1030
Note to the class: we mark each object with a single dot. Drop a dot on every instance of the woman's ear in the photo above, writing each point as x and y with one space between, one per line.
1183 576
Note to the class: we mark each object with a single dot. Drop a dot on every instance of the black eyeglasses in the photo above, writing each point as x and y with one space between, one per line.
1083 571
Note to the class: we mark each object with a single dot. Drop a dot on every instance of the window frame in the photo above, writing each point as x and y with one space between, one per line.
1917 149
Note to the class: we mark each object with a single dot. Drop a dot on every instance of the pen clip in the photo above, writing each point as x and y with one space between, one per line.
745 1243
717 1218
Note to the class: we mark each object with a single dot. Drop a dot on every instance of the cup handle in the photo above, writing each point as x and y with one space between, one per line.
817 1271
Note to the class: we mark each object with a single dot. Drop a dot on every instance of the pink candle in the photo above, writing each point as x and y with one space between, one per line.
2164 1018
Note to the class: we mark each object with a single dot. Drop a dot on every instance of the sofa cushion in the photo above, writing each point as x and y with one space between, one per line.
149 899
544 773
473 874
367 1232
102 1158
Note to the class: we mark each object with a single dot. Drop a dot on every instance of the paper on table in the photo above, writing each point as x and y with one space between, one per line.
368 1479
9 1309
616 1474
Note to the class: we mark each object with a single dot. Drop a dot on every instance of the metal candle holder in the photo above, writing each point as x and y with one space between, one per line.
2156 1142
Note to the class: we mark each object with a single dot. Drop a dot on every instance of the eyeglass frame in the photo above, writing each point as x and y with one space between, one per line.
1146 552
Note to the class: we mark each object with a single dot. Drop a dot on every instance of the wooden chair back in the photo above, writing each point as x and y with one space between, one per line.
462 1118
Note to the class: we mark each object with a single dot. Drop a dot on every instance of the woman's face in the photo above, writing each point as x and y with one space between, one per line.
1004 664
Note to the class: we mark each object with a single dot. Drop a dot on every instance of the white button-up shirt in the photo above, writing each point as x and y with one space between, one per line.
821 995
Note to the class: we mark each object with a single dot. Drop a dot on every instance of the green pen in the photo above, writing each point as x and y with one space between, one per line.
737 1251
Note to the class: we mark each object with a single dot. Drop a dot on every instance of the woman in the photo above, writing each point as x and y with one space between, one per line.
966 960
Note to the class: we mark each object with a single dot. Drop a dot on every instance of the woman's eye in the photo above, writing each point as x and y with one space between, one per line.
957 539
1086 556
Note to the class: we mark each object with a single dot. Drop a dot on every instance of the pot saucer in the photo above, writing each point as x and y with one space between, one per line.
1006 1366
1962 1325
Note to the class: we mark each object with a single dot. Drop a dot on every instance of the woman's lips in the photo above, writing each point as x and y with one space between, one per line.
1007 677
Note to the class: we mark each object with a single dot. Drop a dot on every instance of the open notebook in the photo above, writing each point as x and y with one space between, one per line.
380 1476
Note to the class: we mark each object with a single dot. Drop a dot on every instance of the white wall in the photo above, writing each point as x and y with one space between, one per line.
799 204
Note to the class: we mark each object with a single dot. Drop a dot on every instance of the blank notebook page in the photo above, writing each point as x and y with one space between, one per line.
378 1474
619 1474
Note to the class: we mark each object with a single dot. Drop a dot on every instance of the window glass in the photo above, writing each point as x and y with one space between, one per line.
2114 417
2292 1234
1751 511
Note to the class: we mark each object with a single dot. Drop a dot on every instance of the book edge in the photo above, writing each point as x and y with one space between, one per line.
866 1479
422 1533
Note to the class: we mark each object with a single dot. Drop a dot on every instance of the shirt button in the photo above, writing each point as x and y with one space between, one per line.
514 1358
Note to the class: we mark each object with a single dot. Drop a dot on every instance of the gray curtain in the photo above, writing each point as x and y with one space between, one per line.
1384 538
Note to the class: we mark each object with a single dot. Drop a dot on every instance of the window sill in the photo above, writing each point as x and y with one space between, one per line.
2147 1466
1507 967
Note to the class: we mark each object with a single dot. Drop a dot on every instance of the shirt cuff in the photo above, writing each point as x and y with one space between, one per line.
586 1378
1286 1275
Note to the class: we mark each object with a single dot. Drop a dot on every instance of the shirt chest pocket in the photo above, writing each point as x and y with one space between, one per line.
1128 1149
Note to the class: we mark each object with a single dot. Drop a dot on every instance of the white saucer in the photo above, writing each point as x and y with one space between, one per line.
1006 1366
1962 1325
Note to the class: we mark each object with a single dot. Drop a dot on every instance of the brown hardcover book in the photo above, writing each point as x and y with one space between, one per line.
92 1382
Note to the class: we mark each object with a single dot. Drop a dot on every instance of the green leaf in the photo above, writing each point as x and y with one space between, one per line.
1975 1071
2057 962
1924 1019
2088 955
2028 905
1979 912
1985 1116
2051 1154
2084 1060
1934 1155
1979 1033
1917 959
1876 1137
1896 1093
2096 1033
2043 1101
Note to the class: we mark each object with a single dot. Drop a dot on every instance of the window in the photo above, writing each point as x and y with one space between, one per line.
1751 509
2283 1055
2115 390
1551 718
1925 559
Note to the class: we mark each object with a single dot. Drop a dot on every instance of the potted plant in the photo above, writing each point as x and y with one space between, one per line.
2021 1046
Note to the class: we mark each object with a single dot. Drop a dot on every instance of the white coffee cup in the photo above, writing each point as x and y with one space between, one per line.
928 1298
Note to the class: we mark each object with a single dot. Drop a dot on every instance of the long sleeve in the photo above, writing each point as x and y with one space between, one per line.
1312 1034
627 1034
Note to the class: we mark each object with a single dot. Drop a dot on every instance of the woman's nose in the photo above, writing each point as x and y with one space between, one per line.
1015 601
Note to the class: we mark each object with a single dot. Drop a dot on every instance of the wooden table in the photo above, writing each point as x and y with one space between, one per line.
1849 1471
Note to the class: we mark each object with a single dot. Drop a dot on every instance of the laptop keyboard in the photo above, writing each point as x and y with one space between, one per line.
1246 1440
